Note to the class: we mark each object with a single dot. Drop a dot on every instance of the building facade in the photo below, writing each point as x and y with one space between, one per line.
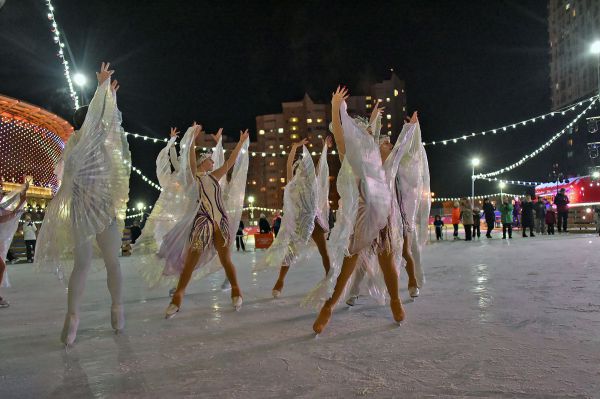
573 25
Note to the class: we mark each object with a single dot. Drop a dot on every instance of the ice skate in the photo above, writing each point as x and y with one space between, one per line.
397 310
277 289
236 301
171 311
4 303
352 300
323 318
69 332
172 291
117 318
413 291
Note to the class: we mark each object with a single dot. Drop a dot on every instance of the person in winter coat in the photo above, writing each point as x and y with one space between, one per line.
456 218
29 235
276 224
527 216
540 216
476 222
466 215
506 217
239 237
550 220
562 208
517 213
438 223
263 224
490 216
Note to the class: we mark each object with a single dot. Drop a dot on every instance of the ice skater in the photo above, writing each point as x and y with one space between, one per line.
11 208
305 214
205 227
90 204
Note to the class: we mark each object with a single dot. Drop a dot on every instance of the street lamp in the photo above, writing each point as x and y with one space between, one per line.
502 185
595 49
80 80
251 202
474 162
140 206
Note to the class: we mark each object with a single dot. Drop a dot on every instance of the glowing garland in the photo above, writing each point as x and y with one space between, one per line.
137 215
61 54
513 126
476 197
540 149
516 182
144 178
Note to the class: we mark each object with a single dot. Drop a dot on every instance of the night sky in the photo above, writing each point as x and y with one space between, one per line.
468 66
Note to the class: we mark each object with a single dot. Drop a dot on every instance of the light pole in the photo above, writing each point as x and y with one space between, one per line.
474 162
80 80
595 49
502 185
251 202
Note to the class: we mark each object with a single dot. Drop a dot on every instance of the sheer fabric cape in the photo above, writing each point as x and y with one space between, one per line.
364 205
175 243
300 198
8 228
95 184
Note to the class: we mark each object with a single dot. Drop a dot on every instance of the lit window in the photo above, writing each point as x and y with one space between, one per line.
368 97
395 92
368 105
389 116
272 163
261 131
254 182
271 147
294 119
379 100
294 136
574 12
402 90
389 132
310 145
404 109
387 99
319 120
280 130
282 180
280 146
389 125
309 120
320 136
263 189
294 128
271 179
567 6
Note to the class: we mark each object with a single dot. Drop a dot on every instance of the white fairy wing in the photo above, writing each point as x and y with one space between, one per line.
163 163
298 220
323 191
95 186
364 157
9 227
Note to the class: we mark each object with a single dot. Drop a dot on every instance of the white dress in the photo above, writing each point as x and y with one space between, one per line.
8 228
94 191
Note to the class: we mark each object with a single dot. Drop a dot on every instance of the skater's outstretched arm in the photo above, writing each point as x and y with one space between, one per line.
222 171
172 151
337 98
291 156
197 130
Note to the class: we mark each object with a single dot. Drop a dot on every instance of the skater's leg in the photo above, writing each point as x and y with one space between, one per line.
318 236
390 275
189 264
109 242
410 261
225 258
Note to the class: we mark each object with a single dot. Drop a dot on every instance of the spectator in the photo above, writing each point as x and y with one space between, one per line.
540 216
517 213
527 215
489 211
438 223
476 222
29 235
276 224
562 208
136 231
506 217
239 237
456 218
466 215
550 220
263 224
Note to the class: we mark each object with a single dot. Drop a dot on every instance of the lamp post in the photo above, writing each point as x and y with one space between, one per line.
595 49
251 202
501 185
474 162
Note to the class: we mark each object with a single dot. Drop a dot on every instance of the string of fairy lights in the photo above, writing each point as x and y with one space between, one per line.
444 199
512 126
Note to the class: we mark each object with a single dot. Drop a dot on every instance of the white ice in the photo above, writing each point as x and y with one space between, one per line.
510 319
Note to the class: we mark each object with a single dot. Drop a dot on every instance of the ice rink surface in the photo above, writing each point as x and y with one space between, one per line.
496 319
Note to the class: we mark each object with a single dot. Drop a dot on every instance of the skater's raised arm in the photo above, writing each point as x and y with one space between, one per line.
192 158
222 171
337 98
291 156
173 151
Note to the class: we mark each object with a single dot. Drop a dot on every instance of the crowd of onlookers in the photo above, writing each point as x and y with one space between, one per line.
528 213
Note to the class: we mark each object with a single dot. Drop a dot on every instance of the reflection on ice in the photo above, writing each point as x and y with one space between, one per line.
481 289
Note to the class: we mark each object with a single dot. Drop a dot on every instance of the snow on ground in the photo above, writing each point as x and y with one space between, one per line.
508 319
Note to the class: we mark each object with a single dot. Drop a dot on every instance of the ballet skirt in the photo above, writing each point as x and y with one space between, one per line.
8 204
94 191
176 241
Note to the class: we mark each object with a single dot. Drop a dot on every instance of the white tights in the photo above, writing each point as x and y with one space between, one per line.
109 242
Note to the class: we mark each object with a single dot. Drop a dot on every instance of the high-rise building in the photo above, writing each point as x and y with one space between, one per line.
573 25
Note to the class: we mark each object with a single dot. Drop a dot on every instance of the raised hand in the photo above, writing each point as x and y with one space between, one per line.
244 135
104 73
300 143
174 132
328 141
339 96
114 85
377 111
217 136
414 118
197 129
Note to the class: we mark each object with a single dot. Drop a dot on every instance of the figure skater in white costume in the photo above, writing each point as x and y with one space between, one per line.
11 208
205 228
91 203
305 213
